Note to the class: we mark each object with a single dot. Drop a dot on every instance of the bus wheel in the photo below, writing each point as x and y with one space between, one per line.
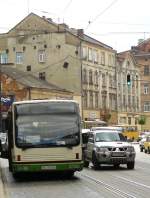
16 176
95 161
86 163
130 165
69 174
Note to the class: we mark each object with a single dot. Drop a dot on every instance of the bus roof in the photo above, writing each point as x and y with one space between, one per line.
43 100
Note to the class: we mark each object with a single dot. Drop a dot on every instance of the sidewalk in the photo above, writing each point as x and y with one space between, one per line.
2 194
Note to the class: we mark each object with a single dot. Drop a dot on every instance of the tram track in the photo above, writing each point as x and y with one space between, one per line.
108 187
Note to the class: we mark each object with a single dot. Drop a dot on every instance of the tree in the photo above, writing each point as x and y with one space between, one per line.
142 120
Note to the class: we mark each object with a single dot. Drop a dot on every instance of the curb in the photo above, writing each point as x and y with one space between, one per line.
2 194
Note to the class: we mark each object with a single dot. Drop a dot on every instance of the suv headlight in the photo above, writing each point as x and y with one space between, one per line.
131 149
101 149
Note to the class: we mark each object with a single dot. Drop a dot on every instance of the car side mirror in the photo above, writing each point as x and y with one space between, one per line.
91 140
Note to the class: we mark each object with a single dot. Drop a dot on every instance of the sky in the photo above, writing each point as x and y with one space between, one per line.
117 23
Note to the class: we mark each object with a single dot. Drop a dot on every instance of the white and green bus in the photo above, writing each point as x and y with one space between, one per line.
45 135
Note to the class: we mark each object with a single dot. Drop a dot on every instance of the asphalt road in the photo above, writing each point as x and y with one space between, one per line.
106 182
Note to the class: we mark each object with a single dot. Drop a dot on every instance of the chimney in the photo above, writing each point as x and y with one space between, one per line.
49 19
80 32
64 26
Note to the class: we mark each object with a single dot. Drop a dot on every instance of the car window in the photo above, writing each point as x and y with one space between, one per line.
109 137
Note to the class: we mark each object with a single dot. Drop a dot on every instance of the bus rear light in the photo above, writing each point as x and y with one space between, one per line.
77 155
18 158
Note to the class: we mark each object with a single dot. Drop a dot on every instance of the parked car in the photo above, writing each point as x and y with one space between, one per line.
141 144
147 145
108 147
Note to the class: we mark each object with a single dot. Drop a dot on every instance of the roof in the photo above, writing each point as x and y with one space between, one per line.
29 80
66 29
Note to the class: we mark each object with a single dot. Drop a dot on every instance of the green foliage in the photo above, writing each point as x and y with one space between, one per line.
142 120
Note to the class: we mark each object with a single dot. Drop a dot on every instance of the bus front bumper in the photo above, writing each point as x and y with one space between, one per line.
43 167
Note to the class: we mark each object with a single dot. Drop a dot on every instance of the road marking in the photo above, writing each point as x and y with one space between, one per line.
108 187
134 182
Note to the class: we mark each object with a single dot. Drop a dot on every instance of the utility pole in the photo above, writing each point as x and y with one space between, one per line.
0 97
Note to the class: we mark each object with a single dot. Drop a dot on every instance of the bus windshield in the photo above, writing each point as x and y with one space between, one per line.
47 125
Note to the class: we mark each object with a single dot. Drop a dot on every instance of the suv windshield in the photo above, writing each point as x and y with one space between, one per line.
109 137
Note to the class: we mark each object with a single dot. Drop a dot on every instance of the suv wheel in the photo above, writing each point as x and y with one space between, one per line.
116 166
95 161
130 165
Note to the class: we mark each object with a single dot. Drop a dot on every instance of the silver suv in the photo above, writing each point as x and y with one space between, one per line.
108 147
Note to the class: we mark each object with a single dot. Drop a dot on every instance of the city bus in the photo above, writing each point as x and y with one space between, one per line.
45 135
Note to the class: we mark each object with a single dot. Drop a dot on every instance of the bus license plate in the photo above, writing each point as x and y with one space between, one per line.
48 167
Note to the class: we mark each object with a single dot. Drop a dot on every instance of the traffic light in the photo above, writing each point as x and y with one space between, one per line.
128 80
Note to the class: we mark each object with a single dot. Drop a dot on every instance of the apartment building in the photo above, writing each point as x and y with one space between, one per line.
128 95
141 53
98 80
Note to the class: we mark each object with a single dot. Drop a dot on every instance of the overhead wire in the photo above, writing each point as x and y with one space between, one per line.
101 13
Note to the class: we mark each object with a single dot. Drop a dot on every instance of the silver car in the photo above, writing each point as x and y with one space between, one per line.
108 147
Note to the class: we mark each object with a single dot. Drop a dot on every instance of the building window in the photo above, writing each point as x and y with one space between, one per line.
3 58
129 120
28 67
103 80
19 57
84 76
41 55
85 99
104 102
113 60
91 99
95 56
42 75
146 70
146 89
103 58
109 60
84 53
90 58
123 120
96 77
96 100
147 106
90 77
